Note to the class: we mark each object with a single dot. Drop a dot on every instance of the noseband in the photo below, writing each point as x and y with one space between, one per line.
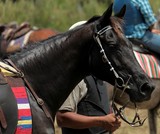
119 82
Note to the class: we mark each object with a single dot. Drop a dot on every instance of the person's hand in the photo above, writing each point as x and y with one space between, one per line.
155 31
111 122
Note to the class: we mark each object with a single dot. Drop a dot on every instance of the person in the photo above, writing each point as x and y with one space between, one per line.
87 110
139 21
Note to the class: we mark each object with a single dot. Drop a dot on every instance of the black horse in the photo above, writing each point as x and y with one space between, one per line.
55 66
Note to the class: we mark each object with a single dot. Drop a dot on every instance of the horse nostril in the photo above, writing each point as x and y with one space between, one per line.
147 88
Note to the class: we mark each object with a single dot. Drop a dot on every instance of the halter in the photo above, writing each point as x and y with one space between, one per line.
119 82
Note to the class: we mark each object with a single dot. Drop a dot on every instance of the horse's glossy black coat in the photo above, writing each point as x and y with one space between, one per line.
55 66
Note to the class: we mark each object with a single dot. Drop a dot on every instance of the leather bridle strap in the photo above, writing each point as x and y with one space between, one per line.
39 100
104 56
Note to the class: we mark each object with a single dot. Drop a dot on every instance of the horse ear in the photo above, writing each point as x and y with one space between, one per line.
122 12
106 15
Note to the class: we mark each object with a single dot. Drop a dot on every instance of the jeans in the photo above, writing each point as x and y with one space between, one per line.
152 41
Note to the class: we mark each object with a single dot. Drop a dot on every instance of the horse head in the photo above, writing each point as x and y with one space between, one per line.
116 63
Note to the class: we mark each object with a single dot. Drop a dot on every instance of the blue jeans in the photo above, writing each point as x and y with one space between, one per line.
152 41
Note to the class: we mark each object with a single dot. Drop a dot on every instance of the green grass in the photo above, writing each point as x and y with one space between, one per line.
155 5
56 14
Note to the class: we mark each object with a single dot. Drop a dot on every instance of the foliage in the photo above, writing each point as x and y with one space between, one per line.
155 5
56 14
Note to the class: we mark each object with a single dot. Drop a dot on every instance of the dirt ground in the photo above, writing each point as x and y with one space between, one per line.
126 129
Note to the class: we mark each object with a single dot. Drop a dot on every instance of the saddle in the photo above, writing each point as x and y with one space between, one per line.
11 32
13 113
8 107
139 46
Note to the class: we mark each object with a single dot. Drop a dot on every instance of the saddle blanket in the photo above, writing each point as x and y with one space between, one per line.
149 63
24 125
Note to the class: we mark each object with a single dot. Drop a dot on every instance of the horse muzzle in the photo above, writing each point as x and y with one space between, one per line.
143 94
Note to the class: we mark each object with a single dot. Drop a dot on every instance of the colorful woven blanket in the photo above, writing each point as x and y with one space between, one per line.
24 125
149 63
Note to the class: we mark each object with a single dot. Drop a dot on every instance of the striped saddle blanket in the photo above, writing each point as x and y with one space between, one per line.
149 63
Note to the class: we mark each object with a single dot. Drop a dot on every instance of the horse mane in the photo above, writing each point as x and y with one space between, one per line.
35 53
31 47
56 43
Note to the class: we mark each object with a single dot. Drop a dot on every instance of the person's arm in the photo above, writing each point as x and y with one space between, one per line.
77 121
148 16
147 12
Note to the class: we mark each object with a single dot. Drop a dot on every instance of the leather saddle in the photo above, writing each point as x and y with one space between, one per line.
139 46
11 32
16 32
8 108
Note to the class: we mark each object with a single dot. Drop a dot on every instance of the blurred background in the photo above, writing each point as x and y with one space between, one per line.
55 14
60 15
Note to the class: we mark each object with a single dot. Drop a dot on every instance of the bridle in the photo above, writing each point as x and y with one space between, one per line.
136 122
119 82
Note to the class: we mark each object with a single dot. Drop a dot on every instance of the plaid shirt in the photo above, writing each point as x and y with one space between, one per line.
144 12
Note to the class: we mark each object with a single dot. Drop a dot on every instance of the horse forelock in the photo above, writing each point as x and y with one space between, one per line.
117 24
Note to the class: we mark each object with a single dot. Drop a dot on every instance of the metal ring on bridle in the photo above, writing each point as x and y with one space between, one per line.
119 82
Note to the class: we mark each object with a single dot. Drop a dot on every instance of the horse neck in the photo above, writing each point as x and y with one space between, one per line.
61 71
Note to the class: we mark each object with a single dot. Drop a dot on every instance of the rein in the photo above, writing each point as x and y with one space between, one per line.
119 82
136 122
39 100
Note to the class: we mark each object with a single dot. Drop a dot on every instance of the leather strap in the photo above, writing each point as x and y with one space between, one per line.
39 100
2 119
